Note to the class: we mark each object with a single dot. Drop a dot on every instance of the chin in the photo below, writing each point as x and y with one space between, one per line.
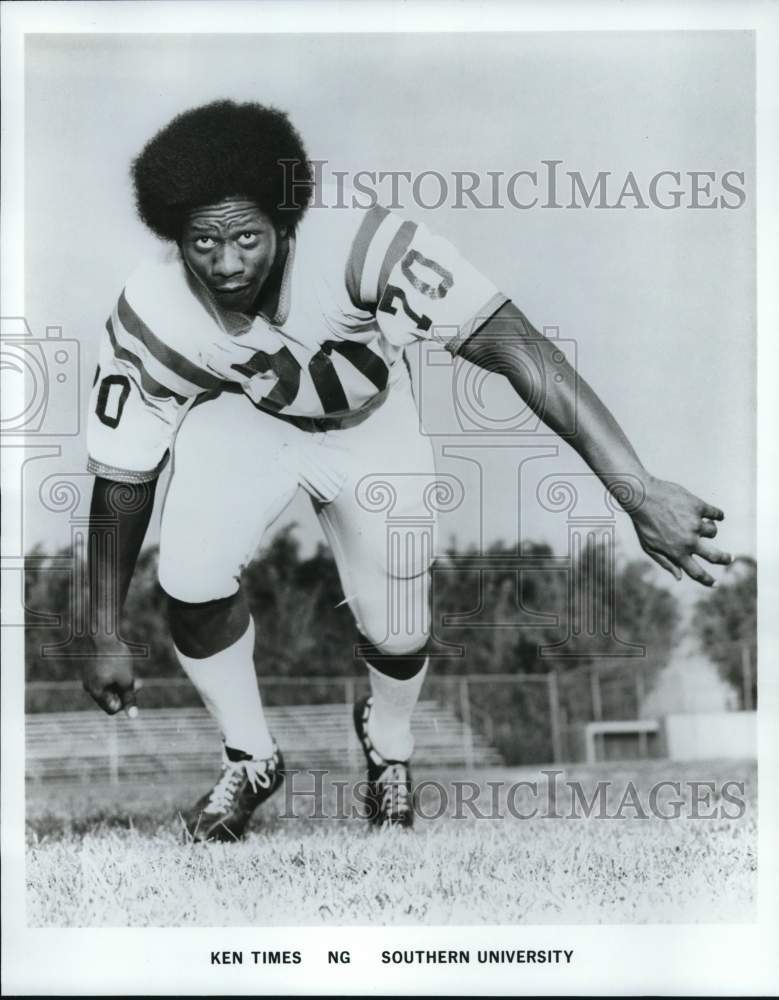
236 303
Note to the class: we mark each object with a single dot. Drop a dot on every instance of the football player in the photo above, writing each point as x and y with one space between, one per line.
263 352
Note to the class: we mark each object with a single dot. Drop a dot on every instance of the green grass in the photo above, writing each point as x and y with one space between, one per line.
118 857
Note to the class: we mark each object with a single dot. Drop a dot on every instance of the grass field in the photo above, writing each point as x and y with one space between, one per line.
101 856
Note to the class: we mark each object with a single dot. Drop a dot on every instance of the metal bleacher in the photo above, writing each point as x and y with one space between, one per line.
90 746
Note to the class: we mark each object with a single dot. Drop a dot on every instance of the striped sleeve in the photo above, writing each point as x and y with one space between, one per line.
132 419
142 387
417 284
161 368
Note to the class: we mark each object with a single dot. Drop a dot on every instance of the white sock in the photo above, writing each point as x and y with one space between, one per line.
227 684
389 723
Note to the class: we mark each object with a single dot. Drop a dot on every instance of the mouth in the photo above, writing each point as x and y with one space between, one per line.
230 289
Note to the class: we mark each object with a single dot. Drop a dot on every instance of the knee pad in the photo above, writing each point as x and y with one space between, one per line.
204 629
399 660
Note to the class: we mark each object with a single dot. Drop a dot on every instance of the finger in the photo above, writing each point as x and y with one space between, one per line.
696 572
665 562
128 701
106 699
109 700
712 554
708 529
707 510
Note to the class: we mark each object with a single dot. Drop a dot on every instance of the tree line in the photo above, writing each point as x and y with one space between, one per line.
487 616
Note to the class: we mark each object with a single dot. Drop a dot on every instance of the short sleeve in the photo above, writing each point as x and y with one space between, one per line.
130 426
419 285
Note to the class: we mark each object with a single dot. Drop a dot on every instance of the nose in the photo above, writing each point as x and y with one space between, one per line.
228 263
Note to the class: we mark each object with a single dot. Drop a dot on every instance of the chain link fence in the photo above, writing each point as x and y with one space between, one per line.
527 718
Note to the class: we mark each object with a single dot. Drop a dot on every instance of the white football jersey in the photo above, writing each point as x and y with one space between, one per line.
359 285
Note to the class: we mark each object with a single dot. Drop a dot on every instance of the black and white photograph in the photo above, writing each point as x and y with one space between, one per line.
383 506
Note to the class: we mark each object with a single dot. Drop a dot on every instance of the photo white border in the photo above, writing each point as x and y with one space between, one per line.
609 960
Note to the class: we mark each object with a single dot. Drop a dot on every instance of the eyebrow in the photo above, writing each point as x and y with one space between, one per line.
231 225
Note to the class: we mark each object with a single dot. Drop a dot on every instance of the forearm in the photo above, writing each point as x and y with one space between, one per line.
562 399
672 524
118 519
571 408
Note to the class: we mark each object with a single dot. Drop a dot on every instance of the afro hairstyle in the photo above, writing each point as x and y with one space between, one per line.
217 151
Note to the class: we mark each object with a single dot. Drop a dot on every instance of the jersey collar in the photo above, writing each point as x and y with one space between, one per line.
282 309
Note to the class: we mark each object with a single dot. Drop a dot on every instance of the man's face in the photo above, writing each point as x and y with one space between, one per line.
231 247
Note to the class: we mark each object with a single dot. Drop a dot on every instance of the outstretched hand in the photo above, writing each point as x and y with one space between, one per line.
109 678
673 526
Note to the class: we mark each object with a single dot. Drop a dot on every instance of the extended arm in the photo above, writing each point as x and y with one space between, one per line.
132 420
119 517
670 522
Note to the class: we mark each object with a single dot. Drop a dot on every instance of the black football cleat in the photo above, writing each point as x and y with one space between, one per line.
390 800
245 783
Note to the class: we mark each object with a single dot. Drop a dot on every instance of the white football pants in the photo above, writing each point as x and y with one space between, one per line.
235 469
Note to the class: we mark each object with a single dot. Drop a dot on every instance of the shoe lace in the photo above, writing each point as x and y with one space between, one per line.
233 774
395 791
257 773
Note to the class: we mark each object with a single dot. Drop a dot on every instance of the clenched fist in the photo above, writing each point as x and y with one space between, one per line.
109 678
